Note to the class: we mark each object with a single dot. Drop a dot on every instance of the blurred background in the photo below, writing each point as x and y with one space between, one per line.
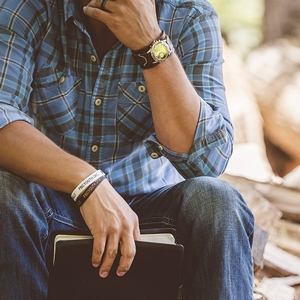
262 71
262 80
241 22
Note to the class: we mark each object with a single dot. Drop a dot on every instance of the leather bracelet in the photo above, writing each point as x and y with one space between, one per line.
88 191
154 54
145 49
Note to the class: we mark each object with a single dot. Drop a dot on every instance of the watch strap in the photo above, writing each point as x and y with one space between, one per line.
145 59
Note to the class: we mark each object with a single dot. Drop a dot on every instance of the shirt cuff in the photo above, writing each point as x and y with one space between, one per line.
211 148
9 114
156 149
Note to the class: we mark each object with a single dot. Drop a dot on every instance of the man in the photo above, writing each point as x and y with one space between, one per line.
81 92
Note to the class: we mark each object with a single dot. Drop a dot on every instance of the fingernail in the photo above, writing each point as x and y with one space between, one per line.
121 273
104 274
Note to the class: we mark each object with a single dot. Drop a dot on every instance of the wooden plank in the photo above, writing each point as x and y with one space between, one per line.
265 213
281 262
275 291
286 235
289 280
285 199
258 297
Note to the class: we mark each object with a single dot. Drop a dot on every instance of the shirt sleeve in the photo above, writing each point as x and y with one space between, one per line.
19 27
199 48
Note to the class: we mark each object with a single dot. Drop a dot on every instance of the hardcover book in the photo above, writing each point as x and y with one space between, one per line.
154 273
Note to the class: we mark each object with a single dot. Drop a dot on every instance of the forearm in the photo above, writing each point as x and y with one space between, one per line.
30 154
112 223
175 104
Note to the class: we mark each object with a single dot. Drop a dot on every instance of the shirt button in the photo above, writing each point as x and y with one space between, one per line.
98 102
93 58
62 79
160 147
142 89
95 148
154 155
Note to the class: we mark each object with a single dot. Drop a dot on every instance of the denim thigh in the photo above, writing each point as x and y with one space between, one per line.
211 219
215 226
29 213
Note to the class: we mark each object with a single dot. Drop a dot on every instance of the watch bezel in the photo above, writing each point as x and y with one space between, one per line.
154 45
146 57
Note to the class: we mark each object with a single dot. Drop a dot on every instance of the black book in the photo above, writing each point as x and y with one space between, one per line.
154 274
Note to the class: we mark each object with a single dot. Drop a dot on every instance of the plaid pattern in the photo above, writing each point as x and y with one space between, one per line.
50 76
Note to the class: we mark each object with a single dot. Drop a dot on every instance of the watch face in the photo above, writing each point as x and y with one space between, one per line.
160 51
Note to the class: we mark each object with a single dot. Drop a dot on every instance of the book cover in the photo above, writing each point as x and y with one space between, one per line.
154 274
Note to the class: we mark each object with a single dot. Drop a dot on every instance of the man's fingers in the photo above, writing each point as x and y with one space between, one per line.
112 224
95 13
128 250
95 3
98 250
111 251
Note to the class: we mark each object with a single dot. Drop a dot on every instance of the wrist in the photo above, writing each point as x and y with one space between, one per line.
78 174
87 186
154 54
145 44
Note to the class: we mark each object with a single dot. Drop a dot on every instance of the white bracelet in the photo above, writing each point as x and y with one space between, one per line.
85 183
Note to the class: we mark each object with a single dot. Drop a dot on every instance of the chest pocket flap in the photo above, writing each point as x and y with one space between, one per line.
54 99
134 117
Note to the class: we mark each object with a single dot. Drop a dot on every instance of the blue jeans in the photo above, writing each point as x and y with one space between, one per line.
209 215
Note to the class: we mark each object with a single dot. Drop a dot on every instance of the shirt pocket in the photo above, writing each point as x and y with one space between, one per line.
134 117
54 99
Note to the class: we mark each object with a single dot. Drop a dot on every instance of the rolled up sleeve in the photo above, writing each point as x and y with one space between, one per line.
15 79
19 25
199 48
9 114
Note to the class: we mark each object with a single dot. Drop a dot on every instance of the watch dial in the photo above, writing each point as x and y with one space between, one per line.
160 52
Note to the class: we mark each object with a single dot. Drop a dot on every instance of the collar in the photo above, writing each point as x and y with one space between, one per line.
71 10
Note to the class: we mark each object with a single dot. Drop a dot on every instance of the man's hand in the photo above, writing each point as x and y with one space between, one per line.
113 224
133 22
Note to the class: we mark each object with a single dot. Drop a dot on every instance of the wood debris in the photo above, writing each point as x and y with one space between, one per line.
276 247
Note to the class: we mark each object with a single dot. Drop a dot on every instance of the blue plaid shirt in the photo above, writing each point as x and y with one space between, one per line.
50 76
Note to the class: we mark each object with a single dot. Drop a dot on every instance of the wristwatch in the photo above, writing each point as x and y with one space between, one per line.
159 50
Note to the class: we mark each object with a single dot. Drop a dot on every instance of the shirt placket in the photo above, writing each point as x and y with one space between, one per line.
100 119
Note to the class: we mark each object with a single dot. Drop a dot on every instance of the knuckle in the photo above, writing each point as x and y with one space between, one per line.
112 253
126 227
94 13
98 250
117 23
130 254
114 229
98 230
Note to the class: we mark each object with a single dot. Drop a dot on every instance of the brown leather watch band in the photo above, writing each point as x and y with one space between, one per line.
145 57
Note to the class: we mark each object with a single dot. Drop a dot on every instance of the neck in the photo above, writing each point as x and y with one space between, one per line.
93 26
102 37
84 2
